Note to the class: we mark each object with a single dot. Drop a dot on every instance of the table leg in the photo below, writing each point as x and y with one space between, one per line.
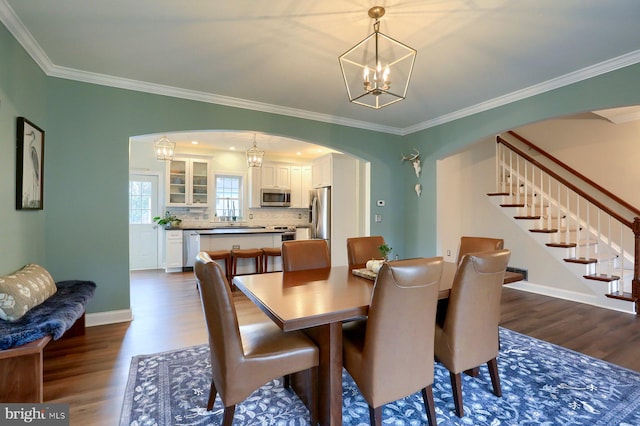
329 340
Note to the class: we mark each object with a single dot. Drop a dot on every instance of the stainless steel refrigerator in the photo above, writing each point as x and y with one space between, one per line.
320 214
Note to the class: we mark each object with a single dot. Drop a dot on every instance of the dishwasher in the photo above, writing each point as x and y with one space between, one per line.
191 248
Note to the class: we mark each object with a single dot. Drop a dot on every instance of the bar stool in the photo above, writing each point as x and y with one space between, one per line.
246 254
268 252
222 255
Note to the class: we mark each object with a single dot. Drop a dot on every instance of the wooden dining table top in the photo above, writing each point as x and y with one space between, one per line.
304 299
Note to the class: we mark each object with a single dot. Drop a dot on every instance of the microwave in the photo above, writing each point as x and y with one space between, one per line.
273 197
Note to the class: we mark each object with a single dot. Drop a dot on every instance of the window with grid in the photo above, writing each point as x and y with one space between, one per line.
228 196
139 202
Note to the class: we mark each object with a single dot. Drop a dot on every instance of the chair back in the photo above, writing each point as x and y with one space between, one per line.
221 319
477 244
473 314
362 249
301 255
399 337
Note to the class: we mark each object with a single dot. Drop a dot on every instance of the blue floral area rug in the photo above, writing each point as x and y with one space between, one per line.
542 384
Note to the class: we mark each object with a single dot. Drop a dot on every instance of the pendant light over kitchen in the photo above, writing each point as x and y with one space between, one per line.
254 155
164 149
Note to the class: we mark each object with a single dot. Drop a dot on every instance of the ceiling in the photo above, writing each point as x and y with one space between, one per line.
282 56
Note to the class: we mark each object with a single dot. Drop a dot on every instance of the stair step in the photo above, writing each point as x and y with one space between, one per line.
544 231
561 245
581 260
602 277
511 205
621 296
495 194
526 217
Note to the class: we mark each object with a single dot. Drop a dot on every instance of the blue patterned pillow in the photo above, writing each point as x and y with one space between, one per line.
24 289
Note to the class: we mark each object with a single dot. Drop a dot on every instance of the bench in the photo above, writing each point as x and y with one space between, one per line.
22 342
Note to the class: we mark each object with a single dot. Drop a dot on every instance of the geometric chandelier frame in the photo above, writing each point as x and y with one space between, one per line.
378 69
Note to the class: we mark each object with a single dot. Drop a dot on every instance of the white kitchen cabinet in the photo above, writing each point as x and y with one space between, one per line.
173 251
188 182
255 183
322 171
276 175
300 185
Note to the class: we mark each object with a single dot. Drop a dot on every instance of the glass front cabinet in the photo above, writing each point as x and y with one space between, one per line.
188 182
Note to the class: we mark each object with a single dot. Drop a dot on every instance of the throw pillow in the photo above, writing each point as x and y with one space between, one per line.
24 289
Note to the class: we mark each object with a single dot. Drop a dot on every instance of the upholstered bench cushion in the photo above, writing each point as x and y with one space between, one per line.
53 317
24 289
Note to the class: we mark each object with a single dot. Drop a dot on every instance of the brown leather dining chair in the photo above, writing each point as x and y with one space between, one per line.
362 249
301 255
469 336
476 244
390 354
243 358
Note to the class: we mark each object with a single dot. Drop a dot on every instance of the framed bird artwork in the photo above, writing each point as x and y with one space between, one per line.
30 166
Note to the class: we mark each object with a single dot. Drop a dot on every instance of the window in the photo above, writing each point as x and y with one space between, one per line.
139 202
228 196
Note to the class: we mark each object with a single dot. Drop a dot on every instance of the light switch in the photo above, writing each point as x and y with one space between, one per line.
378 218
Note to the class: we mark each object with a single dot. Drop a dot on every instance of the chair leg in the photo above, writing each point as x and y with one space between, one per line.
286 382
429 405
228 415
495 377
313 404
375 416
473 372
456 387
212 396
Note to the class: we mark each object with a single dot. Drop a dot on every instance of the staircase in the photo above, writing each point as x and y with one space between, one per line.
592 231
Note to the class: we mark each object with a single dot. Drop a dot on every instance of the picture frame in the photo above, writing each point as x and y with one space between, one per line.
29 166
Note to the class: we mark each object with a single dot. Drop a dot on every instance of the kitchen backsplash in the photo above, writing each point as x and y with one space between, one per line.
272 216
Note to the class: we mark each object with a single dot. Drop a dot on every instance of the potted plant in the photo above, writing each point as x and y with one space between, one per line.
384 250
168 220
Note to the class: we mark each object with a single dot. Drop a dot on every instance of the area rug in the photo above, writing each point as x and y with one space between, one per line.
542 384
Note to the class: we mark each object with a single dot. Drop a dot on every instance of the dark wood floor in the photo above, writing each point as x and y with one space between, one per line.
90 372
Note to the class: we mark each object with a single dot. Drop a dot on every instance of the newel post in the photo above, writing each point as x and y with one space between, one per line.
635 284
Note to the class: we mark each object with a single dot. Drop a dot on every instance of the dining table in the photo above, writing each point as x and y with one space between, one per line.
317 302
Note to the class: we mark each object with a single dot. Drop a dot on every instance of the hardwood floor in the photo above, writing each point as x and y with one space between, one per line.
90 372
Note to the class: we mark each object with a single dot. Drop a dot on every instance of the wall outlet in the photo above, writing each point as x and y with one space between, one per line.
378 218
449 253
236 247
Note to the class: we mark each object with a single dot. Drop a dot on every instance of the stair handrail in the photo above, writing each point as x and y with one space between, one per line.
576 173
634 225
591 199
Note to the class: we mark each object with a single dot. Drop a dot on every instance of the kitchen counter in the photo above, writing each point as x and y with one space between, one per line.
226 231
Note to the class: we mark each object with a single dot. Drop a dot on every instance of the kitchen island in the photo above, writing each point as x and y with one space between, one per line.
232 237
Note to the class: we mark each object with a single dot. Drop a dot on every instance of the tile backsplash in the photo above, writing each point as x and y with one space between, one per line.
272 216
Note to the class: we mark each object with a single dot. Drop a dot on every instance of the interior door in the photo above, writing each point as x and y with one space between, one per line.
144 234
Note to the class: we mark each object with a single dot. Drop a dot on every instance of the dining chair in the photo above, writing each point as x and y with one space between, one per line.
469 336
390 354
476 244
362 249
300 255
243 358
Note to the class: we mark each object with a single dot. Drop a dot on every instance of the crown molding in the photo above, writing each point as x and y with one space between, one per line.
26 40
604 67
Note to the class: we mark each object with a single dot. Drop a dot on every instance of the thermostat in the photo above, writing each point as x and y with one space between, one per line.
380 203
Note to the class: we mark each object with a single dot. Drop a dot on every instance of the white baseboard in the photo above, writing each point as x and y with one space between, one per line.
565 295
110 317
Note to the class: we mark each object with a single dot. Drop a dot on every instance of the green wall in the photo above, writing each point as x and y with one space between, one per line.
82 233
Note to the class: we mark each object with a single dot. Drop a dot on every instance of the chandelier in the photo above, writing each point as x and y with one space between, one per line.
254 155
164 149
377 70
